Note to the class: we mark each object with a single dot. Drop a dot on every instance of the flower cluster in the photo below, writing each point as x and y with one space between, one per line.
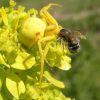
20 64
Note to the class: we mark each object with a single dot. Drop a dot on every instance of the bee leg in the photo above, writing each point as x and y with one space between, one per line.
61 42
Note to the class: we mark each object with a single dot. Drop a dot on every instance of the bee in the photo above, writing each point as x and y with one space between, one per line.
72 38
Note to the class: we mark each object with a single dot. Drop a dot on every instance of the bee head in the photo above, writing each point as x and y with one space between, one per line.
64 33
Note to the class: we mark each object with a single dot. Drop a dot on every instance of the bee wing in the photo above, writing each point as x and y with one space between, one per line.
80 35
83 37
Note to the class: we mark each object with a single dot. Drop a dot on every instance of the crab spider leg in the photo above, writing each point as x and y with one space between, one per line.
47 38
43 59
53 27
47 16
44 53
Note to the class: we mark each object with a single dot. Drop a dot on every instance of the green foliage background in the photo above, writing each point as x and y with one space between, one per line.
82 81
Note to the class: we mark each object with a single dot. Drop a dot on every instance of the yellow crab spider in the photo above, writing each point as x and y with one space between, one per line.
39 30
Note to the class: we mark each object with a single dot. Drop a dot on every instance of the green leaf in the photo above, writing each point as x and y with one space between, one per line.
15 85
57 56
1 98
43 85
65 63
68 98
53 81
23 61
12 3
4 16
2 61
32 91
2 75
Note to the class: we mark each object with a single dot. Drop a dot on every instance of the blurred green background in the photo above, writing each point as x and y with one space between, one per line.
83 80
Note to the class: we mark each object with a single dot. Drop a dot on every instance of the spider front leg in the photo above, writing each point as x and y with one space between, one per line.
44 52
53 27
